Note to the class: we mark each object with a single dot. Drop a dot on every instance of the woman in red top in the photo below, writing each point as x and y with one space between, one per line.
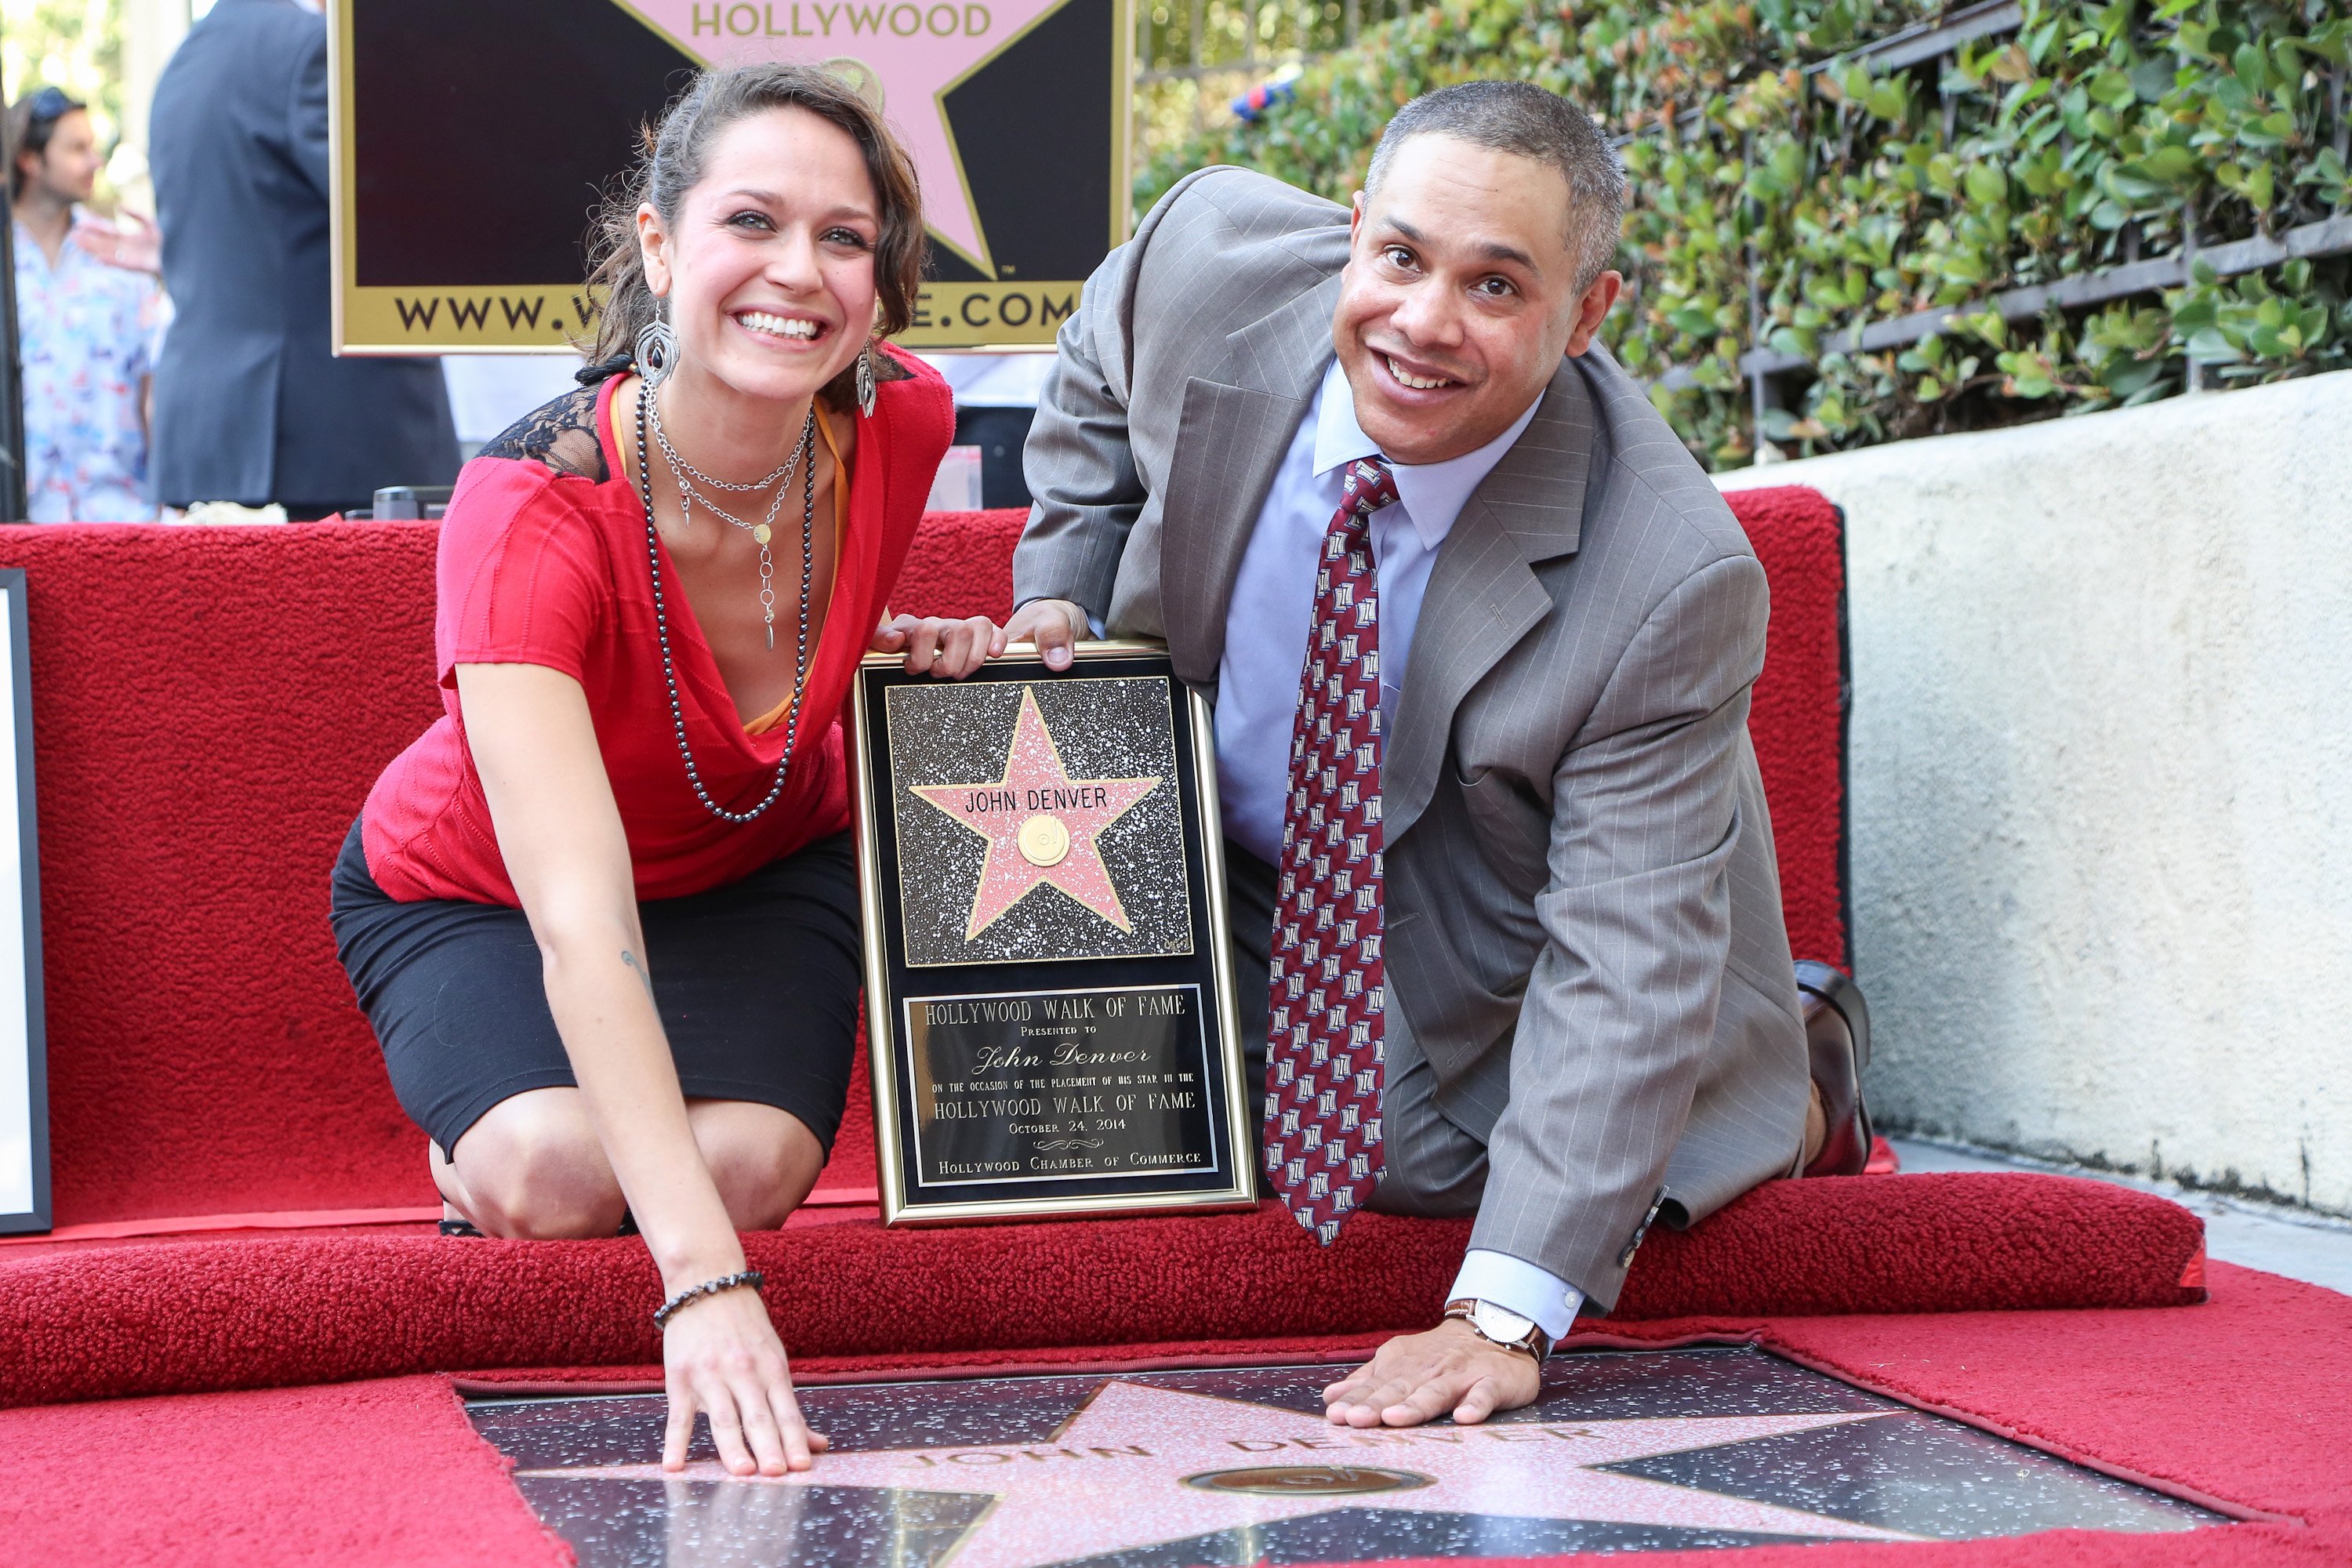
603 915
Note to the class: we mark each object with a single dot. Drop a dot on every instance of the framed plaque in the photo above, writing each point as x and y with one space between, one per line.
23 1095
1048 990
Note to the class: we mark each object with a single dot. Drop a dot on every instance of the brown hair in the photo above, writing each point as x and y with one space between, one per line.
670 163
32 120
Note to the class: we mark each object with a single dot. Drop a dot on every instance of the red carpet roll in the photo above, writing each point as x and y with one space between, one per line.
182 1317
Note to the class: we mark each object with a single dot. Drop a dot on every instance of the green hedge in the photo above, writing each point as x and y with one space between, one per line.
1843 196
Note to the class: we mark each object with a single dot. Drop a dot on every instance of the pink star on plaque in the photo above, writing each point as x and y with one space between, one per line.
917 49
1141 1465
1042 826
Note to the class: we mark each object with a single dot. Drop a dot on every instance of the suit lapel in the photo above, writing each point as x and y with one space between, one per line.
1483 594
1229 441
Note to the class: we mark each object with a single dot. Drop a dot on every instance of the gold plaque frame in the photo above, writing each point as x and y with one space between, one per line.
1211 962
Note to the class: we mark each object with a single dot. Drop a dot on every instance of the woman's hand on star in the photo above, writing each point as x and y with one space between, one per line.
721 1355
938 646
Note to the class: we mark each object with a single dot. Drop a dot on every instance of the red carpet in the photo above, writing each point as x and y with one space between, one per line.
180 1317
1797 719
388 1473
210 707
2246 1404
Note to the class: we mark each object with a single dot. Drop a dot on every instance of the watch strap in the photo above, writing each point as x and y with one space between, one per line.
1535 1342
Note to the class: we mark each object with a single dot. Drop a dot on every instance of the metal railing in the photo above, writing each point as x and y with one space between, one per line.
1938 43
1193 57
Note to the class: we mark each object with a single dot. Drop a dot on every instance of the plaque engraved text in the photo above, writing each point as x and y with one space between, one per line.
1048 1085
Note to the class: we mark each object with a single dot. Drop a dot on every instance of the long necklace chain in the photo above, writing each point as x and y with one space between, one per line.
762 531
661 629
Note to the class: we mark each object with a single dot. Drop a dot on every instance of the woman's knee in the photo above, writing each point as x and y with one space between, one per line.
533 1169
762 1160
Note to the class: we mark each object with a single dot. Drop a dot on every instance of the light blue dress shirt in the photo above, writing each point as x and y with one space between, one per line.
1266 652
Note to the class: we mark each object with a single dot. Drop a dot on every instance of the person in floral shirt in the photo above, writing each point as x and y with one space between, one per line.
85 325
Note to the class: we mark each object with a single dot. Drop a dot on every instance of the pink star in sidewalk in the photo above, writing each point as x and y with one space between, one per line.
1141 1465
919 49
1042 826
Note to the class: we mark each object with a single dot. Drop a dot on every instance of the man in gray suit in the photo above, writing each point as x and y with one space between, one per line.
1499 840
251 405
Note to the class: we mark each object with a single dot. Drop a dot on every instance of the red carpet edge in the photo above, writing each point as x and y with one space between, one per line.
164 1318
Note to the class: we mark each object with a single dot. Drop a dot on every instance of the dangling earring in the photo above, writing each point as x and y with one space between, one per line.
866 380
656 349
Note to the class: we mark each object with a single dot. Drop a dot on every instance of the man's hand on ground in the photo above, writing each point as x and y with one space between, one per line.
1053 624
1419 1377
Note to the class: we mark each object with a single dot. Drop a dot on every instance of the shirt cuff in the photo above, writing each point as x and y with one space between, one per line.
1518 1286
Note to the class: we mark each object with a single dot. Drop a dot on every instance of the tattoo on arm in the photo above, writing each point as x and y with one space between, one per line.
631 959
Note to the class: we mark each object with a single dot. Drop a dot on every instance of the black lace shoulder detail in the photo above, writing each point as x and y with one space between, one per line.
560 435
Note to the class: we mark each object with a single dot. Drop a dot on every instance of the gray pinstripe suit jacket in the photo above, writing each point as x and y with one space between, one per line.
1584 927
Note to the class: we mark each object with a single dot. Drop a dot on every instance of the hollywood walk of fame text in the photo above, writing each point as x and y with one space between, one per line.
1064 1083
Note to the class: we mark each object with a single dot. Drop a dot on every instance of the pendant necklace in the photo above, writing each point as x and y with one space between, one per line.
686 475
661 613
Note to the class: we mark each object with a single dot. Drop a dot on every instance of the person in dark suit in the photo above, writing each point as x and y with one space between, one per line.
250 405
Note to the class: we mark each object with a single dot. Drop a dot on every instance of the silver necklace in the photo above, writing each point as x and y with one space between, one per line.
661 629
761 532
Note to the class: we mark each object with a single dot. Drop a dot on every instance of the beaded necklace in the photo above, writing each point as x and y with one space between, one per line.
661 626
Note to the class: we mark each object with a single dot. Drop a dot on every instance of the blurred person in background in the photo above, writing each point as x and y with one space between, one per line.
85 325
251 405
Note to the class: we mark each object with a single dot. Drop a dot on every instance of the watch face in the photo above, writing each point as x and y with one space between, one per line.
1500 1322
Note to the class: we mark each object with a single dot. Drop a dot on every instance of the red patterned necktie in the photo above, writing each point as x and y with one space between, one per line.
1323 1035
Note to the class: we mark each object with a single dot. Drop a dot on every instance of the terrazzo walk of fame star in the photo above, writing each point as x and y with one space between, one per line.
1625 1452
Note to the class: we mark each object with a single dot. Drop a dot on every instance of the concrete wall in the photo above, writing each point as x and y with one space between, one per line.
2102 768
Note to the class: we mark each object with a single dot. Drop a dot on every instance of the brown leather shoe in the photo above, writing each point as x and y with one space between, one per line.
1837 1037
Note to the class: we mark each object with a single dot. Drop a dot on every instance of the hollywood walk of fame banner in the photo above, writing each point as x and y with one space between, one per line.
1049 995
471 139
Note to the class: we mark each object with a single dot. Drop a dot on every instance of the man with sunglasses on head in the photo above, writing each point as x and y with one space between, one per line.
84 326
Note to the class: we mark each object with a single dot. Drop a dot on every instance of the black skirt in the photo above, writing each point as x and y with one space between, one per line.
756 983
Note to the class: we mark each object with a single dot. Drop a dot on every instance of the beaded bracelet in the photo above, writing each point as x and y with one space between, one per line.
750 1277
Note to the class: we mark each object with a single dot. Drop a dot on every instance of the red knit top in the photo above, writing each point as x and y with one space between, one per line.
547 568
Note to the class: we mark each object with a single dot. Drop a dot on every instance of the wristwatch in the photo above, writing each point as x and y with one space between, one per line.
1500 1325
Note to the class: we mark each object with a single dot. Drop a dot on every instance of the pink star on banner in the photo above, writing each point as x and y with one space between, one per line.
919 49
1141 1465
1042 826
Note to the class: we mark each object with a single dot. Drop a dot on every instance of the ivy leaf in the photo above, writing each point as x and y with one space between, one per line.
2153 77
2208 346
2012 63
2113 88
2132 375
2252 69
